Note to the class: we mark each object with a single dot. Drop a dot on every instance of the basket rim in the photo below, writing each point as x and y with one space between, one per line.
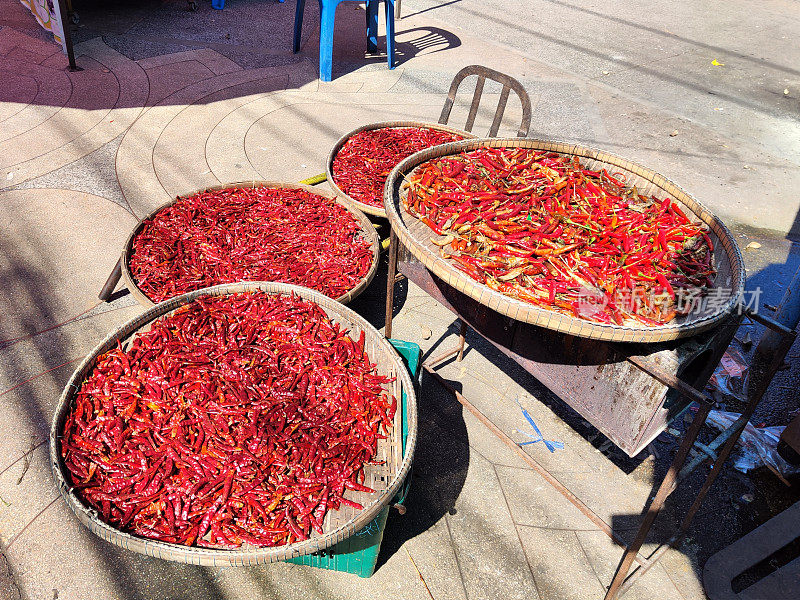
234 557
365 224
517 309
378 211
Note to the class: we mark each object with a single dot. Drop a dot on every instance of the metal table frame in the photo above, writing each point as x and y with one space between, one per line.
763 369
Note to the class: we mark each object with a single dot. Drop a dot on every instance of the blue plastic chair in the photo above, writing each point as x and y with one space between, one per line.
327 19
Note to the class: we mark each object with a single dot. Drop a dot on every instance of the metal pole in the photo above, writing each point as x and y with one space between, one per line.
763 370
658 502
67 36
390 282
560 487
462 336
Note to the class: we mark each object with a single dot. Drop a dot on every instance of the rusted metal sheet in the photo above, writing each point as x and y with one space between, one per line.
595 378
723 567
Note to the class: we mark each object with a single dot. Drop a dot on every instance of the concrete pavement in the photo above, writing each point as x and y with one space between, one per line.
170 101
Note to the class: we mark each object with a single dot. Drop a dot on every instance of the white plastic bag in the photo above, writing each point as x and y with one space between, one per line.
756 446
730 377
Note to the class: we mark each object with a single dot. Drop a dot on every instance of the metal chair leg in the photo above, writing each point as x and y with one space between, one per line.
372 26
298 25
390 33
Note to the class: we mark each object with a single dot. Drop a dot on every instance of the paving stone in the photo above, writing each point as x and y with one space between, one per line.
567 576
214 61
24 500
24 55
49 272
140 185
179 158
92 174
166 79
53 92
108 81
486 540
58 555
18 91
274 156
604 556
479 438
535 502
57 61
224 149
683 567
434 555
93 95
11 39
500 400
28 409
620 500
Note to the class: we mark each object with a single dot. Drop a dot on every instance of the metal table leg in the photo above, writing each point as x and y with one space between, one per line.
658 502
111 282
390 282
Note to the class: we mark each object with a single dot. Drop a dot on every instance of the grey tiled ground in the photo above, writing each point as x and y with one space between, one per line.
171 100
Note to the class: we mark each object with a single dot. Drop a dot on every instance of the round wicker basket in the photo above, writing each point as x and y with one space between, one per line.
367 230
385 479
378 211
727 259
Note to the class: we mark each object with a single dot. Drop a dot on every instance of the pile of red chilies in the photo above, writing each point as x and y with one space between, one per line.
541 228
235 420
259 234
363 163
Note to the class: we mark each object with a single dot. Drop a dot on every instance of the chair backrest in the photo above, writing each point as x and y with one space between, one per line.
508 82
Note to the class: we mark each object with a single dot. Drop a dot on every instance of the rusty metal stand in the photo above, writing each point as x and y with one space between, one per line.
769 357
764 367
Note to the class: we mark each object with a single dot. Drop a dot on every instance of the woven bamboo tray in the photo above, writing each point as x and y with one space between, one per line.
338 525
378 211
367 230
727 259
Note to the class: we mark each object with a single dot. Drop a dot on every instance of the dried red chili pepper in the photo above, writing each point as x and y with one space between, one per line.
250 234
239 419
363 163
541 228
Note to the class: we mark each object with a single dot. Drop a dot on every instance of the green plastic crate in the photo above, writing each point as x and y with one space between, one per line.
358 554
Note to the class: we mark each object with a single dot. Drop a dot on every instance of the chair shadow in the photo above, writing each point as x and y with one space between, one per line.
428 41
409 43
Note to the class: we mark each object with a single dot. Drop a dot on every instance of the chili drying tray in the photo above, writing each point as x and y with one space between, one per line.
378 211
416 237
338 525
367 230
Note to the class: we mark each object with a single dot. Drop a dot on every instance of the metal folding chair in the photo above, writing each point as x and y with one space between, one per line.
508 82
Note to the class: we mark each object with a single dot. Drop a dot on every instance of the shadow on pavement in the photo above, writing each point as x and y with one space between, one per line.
441 460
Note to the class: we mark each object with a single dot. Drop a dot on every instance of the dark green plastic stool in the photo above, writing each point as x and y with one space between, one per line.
358 554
